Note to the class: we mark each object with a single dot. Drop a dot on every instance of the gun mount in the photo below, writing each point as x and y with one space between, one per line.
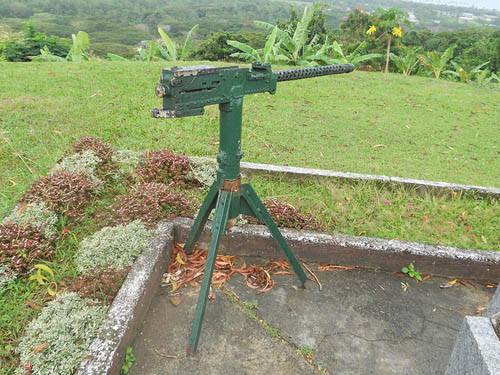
185 92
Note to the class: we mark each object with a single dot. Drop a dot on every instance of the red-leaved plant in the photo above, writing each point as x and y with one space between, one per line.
100 284
102 149
285 215
150 203
64 193
166 167
23 245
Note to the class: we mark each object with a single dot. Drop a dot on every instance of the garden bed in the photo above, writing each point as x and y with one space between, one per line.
77 231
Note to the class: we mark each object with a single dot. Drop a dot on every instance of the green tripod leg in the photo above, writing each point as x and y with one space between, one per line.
218 228
261 213
202 217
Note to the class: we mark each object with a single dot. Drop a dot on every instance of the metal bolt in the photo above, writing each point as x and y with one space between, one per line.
160 90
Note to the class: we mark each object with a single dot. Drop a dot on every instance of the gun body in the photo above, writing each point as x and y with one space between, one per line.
186 91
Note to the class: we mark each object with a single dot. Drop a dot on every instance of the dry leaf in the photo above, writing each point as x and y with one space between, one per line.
176 301
479 310
179 259
40 347
449 284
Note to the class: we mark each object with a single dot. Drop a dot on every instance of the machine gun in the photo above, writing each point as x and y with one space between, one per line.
185 92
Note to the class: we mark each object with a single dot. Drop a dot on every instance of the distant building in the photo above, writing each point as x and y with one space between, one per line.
412 18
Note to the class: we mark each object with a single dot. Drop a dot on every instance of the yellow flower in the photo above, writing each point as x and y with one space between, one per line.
371 30
397 31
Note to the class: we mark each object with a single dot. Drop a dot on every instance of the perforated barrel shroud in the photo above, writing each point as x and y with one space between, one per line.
301 73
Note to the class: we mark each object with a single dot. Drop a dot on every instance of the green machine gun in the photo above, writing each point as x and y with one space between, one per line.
185 92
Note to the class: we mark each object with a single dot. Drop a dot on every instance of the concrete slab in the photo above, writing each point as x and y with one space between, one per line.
362 322
231 343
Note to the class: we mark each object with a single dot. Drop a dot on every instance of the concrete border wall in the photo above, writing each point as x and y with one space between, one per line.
431 186
132 302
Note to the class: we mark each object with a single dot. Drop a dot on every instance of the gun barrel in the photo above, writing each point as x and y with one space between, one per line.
301 73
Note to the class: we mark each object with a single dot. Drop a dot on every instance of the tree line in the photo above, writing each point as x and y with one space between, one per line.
379 40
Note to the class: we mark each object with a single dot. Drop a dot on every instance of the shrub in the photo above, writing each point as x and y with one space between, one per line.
203 170
36 214
114 247
83 162
58 339
64 193
99 284
166 167
150 203
23 245
285 215
102 149
6 276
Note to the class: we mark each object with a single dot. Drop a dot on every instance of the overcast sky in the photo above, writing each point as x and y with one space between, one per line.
490 4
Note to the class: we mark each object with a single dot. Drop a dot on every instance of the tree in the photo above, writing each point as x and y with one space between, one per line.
388 24
216 48
31 44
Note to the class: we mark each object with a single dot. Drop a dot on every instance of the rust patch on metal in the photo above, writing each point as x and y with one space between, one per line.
232 186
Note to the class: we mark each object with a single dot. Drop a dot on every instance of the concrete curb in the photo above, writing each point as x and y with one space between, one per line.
297 172
132 302
129 307
476 350
387 255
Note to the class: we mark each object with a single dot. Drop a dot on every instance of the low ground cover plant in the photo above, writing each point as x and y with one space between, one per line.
115 247
57 340
36 214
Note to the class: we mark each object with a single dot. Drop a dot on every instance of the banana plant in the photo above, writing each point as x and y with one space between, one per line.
407 60
251 54
77 53
292 48
80 47
171 52
436 62
474 74
355 57
114 57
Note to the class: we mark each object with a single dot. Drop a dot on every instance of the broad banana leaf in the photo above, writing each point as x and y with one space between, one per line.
168 42
188 43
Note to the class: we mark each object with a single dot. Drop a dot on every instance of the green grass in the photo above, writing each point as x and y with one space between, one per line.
367 209
362 122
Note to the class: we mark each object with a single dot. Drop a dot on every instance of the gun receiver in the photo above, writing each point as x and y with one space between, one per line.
186 91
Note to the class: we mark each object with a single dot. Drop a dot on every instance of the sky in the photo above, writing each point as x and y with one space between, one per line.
489 4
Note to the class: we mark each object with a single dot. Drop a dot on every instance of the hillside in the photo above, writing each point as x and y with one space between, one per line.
363 122
115 25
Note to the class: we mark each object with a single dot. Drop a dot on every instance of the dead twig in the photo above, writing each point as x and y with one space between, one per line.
170 356
314 276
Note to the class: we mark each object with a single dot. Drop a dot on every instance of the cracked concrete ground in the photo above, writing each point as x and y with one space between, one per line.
362 322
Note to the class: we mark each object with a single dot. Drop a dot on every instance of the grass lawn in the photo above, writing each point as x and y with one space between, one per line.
361 122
